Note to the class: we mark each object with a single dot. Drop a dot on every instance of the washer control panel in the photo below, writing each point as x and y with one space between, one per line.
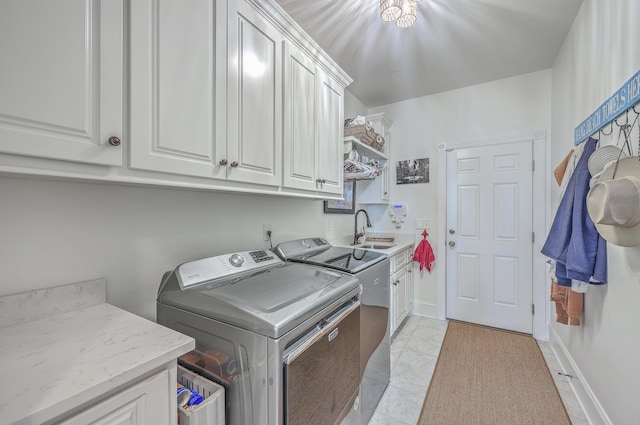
301 247
223 267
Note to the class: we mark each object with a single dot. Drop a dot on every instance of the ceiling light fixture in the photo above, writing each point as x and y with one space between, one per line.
403 12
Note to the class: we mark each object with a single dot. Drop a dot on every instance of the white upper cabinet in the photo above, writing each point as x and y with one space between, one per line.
330 132
206 96
222 94
254 97
173 87
376 191
61 79
301 111
313 117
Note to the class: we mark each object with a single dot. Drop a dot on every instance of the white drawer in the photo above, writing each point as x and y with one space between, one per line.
403 258
400 259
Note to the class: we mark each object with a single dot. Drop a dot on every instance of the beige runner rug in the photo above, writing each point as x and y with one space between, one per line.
486 376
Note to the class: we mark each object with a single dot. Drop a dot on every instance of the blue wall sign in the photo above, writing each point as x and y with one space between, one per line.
626 97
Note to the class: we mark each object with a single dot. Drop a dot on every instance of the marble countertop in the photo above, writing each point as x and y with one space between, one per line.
56 363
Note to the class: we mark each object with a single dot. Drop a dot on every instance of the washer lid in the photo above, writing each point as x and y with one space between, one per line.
270 302
319 252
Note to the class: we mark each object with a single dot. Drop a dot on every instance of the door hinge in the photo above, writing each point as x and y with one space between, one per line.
533 165
533 237
533 309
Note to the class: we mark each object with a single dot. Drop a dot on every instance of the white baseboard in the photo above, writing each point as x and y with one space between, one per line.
421 308
592 408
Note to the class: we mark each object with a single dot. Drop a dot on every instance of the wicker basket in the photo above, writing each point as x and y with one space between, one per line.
366 134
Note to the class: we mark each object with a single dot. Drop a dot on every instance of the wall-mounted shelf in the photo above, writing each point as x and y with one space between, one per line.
351 143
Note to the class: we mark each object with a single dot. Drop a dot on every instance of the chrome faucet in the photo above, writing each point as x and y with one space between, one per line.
357 235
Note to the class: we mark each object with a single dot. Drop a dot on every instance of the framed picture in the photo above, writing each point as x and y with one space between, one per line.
412 171
348 206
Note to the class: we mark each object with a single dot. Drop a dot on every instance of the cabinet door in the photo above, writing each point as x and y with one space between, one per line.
300 111
399 281
384 180
410 288
254 102
330 132
61 79
150 402
173 62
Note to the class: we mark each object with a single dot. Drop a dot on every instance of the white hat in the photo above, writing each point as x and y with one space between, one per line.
614 204
602 156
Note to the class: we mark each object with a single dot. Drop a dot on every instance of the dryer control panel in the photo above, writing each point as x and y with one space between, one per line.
225 267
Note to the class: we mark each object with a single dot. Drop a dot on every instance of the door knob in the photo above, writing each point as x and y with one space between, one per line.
452 232
452 244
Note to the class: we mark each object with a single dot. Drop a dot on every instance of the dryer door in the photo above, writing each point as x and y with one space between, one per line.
322 371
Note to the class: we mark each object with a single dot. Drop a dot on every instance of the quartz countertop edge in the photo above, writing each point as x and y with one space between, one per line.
53 365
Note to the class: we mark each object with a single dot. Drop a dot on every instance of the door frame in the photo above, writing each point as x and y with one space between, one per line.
541 181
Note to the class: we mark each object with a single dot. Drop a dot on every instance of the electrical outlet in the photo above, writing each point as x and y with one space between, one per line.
266 228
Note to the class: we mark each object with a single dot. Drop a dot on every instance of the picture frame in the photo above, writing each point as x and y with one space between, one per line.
412 171
348 205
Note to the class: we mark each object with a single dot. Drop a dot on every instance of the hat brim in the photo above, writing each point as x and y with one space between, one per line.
617 235
602 156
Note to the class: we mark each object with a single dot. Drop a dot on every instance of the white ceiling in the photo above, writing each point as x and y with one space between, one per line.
455 43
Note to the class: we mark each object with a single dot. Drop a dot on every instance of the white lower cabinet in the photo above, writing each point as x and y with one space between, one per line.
401 287
151 401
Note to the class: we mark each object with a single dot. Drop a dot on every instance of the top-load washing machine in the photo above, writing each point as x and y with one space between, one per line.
282 338
372 270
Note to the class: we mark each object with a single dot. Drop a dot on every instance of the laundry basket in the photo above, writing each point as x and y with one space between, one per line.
211 410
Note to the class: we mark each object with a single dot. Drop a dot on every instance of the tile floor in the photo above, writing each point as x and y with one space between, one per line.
414 351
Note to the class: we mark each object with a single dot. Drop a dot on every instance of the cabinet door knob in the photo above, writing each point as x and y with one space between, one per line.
234 164
396 282
318 180
224 162
323 181
114 141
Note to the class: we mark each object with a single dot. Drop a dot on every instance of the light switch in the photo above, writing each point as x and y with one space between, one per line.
422 223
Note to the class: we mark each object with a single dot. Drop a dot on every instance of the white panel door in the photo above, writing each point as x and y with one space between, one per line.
330 135
300 111
254 102
61 79
489 236
173 63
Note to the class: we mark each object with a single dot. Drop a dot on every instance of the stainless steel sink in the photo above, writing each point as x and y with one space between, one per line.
376 245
